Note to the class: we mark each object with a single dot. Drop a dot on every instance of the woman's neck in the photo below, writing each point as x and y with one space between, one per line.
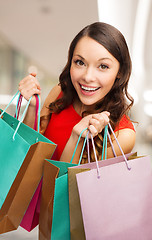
79 107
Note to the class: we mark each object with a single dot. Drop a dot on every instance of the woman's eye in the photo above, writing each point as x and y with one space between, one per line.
79 62
103 66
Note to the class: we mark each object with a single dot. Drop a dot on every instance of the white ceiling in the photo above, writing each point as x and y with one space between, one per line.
43 29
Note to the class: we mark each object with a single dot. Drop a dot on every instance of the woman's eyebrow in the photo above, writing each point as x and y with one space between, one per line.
101 59
105 58
77 55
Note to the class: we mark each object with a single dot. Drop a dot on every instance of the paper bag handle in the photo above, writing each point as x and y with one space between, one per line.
104 147
126 161
9 104
37 112
18 106
22 117
22 114
82 146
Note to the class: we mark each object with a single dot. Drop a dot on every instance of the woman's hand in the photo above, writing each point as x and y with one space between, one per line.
29 86
94 122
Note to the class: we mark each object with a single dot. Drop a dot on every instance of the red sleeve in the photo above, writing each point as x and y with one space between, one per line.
60 95
125 122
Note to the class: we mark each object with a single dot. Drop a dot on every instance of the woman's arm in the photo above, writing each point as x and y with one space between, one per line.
52 96
126 138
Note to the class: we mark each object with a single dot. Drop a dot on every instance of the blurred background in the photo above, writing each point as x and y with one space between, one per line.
35 36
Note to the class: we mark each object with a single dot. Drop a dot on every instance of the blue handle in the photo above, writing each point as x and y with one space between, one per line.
23 115
104 147
77 146
38 123
9 104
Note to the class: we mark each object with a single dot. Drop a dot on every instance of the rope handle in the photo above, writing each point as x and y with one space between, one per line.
113 150
77 146
23 115
37 114
18 106
107 134
104 148
88 150
9 104
126 161
37 111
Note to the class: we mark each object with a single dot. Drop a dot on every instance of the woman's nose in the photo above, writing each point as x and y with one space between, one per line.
89 74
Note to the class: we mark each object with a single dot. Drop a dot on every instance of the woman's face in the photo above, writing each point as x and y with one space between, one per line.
93 71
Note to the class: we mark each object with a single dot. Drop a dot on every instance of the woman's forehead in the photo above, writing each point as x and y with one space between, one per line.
90 48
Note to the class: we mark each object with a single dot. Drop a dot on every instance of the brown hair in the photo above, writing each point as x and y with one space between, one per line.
116 100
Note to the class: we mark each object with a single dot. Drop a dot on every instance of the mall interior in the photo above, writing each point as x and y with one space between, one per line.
35 36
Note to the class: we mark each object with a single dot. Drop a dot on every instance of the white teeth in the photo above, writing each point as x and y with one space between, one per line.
88 88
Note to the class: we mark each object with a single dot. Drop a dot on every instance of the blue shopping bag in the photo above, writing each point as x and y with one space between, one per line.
18 142
54 220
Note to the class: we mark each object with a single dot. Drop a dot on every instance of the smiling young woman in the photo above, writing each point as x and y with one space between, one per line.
93 71
92 92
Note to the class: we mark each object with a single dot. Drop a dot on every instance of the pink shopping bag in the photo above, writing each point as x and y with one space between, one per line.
31 217
116 200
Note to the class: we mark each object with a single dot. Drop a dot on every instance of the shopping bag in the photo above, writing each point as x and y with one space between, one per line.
50 173
21 154
116 200
76 222
54 220
56 223
60 220
31 216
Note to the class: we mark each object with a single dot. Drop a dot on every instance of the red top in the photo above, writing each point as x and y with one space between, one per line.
61 124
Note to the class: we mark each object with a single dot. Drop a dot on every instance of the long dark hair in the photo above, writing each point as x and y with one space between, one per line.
117 101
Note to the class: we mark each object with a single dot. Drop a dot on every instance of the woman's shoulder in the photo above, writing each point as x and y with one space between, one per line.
52 96
124 123
126 134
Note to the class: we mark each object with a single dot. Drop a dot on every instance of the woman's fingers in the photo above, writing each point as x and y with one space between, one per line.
30 86
79 127
103 116
29 82
95 123
98 122
92 129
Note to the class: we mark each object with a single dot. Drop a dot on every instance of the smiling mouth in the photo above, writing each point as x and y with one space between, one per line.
89 89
